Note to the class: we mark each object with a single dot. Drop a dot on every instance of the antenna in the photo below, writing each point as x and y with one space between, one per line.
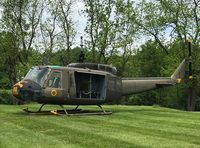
81 43
82 55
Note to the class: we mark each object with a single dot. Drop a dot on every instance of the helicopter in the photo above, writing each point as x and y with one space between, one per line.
85 84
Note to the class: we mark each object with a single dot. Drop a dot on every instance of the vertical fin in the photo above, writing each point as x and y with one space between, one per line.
179 72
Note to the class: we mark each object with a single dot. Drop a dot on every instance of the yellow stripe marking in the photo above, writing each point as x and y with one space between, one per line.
178 80
54 112
190 77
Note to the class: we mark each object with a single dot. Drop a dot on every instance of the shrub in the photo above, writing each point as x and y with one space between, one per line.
6 97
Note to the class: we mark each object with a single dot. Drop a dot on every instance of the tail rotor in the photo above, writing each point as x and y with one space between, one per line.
190 59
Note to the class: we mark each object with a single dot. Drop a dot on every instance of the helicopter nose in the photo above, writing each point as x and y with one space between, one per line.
27 90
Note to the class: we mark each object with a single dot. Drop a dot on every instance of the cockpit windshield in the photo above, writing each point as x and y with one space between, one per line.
37 74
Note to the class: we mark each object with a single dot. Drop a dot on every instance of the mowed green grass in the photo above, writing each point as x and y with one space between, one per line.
128 126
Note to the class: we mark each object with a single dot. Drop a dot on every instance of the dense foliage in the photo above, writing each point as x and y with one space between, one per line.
35 32
6 97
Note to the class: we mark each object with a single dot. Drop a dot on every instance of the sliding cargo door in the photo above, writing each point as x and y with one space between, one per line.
90 86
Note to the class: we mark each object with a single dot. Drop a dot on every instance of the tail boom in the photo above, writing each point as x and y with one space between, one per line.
137 85
133 86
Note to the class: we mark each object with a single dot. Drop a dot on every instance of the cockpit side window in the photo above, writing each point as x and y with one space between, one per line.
54 79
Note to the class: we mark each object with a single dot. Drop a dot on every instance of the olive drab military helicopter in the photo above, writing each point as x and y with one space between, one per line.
84 84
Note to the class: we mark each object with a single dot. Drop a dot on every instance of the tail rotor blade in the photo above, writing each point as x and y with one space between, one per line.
190 58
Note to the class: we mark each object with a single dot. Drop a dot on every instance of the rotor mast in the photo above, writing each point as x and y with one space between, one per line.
81 55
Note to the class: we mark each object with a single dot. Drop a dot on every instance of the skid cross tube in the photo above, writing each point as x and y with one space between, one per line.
40 107
101 108
64 109
76 107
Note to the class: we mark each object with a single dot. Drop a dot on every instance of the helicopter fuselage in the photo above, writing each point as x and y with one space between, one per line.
85 84
68 85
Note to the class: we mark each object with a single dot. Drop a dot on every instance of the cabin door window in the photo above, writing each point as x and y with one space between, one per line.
54 80
53 86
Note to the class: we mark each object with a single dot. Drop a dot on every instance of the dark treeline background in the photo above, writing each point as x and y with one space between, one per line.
33 32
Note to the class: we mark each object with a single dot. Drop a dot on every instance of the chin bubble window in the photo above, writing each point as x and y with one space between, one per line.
55 79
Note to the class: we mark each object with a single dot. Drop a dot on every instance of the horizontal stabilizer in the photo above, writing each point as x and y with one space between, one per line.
164 84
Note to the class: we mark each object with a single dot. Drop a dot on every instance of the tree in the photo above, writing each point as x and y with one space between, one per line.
19 23
100 29
152 21
48 29
181 17
110 29
150 62
57 30
125 31
67 26
9 56
21 17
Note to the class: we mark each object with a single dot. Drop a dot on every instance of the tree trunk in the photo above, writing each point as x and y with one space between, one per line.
191 98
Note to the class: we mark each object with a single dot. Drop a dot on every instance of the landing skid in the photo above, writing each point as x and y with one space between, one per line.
72 112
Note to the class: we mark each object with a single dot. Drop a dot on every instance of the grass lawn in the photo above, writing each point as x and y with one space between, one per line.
128 126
